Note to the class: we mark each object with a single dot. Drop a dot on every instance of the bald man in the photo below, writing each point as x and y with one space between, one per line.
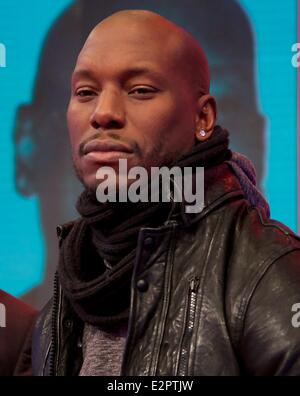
147 287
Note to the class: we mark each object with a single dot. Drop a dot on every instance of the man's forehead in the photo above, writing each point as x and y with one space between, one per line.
127 41
131 36
122 56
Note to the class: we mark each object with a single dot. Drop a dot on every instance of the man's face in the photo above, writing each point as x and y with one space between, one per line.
130 100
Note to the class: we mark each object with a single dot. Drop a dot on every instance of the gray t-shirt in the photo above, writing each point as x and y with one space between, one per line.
103 350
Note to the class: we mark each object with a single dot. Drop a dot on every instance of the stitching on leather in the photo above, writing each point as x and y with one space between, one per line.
183 329
274 224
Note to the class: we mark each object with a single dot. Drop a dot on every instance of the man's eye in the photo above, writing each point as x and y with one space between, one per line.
143 92
83 93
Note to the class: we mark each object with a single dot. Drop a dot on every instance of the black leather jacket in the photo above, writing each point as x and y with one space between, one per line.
211 295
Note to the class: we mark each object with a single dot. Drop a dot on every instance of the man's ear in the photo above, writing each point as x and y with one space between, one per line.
24 145
206 117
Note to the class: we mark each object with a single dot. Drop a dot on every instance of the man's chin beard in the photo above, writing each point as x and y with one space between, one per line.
92 188
87 186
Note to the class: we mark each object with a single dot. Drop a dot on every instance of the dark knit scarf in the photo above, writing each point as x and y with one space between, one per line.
97 257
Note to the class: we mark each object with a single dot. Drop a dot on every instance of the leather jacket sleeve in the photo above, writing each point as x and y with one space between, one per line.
270 344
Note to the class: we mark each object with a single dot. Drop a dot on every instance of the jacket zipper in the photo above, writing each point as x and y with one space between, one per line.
54 327
189 326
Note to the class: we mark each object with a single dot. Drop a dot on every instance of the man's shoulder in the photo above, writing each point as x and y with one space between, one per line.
256 243
258 233
259 251
250 239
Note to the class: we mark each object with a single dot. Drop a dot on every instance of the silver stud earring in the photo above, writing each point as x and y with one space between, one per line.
202 132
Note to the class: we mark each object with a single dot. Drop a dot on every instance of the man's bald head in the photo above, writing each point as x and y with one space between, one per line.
142 81
171 40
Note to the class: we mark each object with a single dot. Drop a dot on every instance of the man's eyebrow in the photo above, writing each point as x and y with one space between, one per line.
124 75
140 71
83 73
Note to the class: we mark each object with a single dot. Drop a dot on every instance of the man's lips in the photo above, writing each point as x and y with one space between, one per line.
102 151
105 146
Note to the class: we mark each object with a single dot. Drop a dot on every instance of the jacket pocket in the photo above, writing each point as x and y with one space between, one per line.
188 328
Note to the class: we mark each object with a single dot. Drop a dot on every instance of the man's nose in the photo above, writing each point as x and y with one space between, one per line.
109 111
